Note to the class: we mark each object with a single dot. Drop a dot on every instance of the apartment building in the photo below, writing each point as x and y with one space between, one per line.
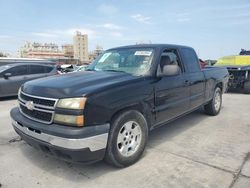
80 45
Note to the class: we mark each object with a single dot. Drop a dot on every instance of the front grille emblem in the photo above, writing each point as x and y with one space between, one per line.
29 105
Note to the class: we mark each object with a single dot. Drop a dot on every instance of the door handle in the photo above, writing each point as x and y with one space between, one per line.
187 82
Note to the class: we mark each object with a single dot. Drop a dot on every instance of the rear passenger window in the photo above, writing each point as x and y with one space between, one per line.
18 70
190 60
48 69
36 69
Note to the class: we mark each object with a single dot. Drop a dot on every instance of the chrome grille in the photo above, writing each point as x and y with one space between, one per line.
37 100
42 110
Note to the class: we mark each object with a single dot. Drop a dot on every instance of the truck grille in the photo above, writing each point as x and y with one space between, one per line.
37 100
36 114
37 108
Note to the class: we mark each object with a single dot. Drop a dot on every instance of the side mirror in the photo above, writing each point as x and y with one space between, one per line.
168 70
7 75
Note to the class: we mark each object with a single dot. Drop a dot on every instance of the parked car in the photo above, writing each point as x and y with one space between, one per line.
81 68
108 110
202 63
239 78
7 61
12 76
239 70
66 68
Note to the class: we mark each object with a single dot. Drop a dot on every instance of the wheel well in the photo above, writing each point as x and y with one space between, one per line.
138 107
220 85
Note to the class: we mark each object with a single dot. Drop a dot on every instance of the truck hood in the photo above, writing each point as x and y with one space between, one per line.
76 84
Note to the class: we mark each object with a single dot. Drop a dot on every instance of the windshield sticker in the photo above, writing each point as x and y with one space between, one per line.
143 53
104 57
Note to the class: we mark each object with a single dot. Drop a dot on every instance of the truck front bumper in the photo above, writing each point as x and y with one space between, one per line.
75 144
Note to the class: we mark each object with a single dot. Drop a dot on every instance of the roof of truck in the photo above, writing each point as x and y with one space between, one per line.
152 46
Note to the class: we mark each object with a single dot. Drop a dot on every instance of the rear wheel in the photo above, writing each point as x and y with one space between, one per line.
214 106
127 139
247 87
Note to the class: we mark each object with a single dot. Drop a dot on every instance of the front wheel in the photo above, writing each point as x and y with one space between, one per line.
214 106
127 139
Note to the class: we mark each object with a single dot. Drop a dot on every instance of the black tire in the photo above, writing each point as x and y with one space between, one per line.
211 108
113 155
247 87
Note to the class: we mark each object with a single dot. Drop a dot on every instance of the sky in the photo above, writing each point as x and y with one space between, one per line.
214 28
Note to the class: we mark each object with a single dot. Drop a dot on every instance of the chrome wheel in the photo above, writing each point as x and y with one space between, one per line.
129 138
217 101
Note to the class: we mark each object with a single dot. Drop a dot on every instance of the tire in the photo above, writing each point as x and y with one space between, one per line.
247 87
214 106
126 145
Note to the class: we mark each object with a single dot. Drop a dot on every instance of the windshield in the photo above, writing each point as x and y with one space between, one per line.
82 68
136 61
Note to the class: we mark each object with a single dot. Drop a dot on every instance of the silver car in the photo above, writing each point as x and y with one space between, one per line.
12 76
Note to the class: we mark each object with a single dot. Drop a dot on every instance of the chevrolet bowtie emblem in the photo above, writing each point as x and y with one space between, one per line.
29 105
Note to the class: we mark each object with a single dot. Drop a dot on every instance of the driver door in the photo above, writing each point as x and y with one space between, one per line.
171 92
10 85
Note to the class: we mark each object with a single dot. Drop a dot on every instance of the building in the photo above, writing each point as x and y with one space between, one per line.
68 51
94 54
45 55
80 46
39 50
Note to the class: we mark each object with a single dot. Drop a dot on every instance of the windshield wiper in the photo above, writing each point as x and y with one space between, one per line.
112 70
89 70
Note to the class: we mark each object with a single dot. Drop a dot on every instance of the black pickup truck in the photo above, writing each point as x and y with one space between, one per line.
107 111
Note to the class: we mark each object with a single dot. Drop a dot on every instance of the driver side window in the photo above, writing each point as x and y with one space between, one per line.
170 57
17 70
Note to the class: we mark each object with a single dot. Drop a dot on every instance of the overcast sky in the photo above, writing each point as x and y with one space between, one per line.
214 28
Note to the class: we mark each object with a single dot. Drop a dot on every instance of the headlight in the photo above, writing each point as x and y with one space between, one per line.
72 103
69 120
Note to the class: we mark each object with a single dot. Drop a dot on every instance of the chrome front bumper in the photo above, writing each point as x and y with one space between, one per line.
93 143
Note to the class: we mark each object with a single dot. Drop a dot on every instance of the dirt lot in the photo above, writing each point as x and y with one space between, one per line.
194 151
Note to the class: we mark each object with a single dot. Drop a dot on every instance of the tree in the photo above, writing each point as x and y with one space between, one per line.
2 54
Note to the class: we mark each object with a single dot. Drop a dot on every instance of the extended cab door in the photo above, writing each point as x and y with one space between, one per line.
195 77
171 92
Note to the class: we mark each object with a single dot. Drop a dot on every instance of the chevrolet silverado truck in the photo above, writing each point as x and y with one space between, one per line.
107 111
